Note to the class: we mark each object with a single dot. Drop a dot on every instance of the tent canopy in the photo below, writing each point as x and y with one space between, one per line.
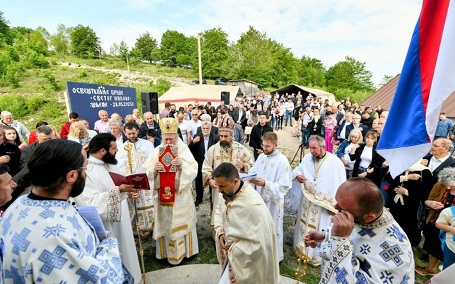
305 91
181 96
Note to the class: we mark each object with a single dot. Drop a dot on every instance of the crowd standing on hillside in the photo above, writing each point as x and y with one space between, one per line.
186 145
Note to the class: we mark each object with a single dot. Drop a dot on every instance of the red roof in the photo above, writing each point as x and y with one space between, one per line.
385 94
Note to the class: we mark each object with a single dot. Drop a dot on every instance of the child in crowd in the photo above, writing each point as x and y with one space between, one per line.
446 223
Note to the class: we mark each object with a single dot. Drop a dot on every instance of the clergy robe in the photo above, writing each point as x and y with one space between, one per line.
324 176
276 172
112 205
379 252
175 226
142 149
46 241
252 255
215 156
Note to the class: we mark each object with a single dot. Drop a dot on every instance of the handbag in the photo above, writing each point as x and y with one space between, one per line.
248 130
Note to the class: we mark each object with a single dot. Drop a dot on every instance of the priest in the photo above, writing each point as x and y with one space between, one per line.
245 234
140 150
226 150
171 170
318 176
272 181
110 200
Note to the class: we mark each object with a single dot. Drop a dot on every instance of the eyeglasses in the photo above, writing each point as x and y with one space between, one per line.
83 168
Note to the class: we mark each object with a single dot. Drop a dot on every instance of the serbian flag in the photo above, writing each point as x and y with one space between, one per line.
427 79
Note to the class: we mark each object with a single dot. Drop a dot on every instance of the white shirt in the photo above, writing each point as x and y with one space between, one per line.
434 163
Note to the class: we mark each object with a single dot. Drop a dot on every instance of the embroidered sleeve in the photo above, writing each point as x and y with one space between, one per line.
114 199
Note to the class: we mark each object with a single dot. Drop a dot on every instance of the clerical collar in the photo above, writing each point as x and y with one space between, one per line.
273 154
33 196
95 160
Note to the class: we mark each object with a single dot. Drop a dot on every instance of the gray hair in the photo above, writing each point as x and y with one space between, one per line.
206 123
447 176
317 138
115 122
46 129
446 143
5 112
206 117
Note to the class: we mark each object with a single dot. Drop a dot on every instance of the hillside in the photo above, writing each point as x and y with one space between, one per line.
39 94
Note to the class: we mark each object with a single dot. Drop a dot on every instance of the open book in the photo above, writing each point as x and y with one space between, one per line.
139 180
90 214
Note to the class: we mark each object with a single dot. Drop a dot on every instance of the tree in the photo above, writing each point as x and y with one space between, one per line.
46 35
114 50
173 44
60 40
350 74
214 50
284 65
84 42
311 72
251 58
6 36
123 50
385 80
144 46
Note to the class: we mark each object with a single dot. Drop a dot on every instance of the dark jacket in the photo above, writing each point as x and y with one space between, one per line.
376 163
450 162
144 127
315 127
350 127
236 117
256 135
15 155
198 149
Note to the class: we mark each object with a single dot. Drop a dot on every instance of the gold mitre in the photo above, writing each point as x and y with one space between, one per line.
169 125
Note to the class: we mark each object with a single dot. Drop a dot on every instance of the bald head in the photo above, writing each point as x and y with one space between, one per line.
360 197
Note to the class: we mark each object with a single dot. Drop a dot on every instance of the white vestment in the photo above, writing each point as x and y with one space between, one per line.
47 241
276 172
215 156
175 226
324 176
252 255
141 150
379 252
112 205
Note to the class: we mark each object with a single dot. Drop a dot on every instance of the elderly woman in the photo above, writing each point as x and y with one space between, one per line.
441 196
355 138
79 133
116 129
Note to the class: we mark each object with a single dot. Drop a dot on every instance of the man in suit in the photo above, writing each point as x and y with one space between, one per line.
439 157
201 142
239 115
213 130
149 123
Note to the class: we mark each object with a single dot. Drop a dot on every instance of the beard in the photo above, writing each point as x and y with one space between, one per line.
205 133
133 140
226 145
108 158
78 186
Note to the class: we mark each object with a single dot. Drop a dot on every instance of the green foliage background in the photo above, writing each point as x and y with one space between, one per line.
32 70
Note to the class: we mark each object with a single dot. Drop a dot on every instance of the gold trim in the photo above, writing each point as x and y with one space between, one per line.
308 225
145 207
162 248
179 228
190 242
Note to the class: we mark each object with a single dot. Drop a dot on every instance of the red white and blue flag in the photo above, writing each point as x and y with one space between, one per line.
427 79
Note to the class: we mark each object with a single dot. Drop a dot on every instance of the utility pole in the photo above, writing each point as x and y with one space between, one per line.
199 57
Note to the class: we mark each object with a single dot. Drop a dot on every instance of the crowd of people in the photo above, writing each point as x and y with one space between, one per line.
337 194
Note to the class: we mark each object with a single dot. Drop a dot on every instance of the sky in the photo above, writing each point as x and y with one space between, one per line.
375 32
